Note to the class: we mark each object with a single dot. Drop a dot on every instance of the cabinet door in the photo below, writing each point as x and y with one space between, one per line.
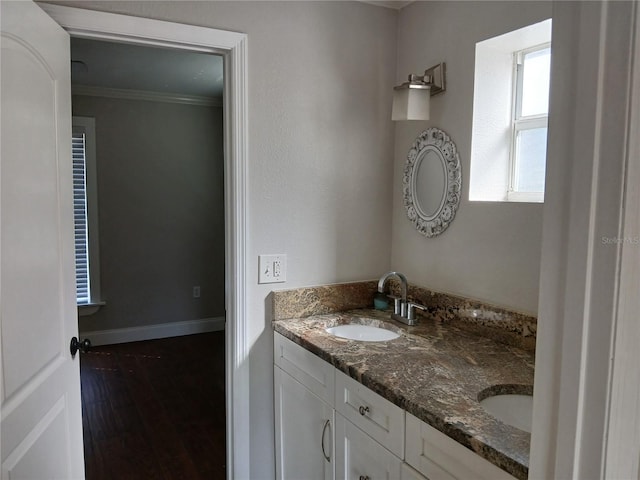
304 432
360 457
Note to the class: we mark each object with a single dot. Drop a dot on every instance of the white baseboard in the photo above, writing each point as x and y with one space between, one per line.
151 332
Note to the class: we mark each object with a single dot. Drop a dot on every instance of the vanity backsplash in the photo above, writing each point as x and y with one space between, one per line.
505 326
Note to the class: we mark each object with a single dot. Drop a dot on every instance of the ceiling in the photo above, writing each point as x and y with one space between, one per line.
143 68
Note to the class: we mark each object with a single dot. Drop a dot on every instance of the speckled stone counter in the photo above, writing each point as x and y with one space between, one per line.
506 326
436 371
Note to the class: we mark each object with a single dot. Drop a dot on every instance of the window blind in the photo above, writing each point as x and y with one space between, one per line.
78 148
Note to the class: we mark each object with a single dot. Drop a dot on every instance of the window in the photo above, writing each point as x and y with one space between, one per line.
85 212
530 118
80 221
510 109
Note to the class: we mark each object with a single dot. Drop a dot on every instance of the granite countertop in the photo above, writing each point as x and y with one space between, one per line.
436 371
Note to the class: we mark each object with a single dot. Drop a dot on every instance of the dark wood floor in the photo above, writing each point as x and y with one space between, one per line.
155 409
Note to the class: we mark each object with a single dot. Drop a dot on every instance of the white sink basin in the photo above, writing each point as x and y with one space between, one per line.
514 410
364 333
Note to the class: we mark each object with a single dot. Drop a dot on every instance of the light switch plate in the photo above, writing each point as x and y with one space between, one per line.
272 268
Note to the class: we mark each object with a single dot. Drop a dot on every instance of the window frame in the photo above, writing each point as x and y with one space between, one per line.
521 123
86 125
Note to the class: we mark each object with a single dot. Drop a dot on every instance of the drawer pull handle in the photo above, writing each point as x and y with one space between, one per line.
363 411
364 477
324 429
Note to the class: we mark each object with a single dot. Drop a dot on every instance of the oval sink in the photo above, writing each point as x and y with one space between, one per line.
514 410
363 333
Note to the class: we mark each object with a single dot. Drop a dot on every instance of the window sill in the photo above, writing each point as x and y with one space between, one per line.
529 197
87 309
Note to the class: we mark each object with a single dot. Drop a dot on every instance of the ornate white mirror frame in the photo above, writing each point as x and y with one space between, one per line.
432 220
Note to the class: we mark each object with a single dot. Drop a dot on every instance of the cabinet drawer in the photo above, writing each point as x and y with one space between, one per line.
437 456
310 370
358 456
375 415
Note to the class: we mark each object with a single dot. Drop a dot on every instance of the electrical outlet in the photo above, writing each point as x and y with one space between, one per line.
196 292
272 268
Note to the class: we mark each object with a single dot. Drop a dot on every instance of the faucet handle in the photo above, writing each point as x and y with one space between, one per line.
397 304
411 313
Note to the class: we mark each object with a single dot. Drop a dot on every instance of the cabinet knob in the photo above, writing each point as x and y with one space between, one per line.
363 411
364 477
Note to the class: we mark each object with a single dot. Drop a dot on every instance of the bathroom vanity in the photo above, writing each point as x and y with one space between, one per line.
405 408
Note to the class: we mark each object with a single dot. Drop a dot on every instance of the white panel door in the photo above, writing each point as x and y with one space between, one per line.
304 431
41 420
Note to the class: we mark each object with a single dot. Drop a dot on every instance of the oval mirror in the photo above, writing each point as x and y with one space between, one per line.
429 183
432 182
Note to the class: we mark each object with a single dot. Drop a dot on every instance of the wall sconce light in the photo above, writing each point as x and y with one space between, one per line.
411 99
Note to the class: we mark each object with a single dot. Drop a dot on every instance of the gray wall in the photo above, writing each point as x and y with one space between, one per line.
320 153
161 211
322 164
492 250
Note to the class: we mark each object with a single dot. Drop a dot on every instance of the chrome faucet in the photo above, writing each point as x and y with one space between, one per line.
403 310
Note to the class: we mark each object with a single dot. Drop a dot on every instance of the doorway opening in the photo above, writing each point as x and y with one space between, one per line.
157 209
233 47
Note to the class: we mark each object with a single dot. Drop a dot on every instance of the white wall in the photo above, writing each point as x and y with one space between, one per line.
320 152
491 251
161 211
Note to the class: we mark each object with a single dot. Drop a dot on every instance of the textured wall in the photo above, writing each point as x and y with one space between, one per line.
491 251
161 211
320 152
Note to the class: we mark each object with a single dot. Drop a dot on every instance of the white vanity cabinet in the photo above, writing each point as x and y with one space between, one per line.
304 415
408 473
304 431
369 433
307 368
329 426
439 457
360 457
374 415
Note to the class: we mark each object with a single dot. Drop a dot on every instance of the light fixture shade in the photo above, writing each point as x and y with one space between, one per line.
411 103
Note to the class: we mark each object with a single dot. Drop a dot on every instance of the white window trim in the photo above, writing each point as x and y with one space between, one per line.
518 61
527 123
490 174
520 123
87 126
525 197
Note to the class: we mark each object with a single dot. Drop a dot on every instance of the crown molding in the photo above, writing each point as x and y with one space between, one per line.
148 96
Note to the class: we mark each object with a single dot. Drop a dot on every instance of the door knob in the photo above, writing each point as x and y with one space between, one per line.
84 346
